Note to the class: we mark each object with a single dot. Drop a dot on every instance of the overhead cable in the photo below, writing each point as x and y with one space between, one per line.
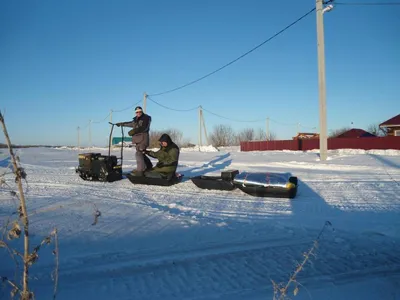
368 3
234 120
236 59
96 122
174 109
132 106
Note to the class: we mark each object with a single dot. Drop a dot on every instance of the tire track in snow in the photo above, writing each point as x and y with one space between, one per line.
229 270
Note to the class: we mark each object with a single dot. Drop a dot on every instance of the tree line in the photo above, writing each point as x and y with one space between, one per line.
221 135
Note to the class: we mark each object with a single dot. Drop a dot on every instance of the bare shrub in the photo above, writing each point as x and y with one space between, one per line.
246 134
271 136
222 135
28 257
376 130
336 132
261 135
175 134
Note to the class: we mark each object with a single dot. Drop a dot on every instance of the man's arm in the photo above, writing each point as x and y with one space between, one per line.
125 124
167 158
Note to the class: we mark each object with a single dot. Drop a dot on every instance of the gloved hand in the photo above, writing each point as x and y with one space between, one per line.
146 151
131 132
160 165
119 124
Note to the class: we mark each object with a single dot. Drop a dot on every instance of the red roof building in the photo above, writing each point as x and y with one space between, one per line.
392 126
355 133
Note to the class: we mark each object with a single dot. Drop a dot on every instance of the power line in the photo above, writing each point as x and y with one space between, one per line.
96 122
85 126
226 118
367 3
235 60
128 107
234 120
307 127
281 123
166 107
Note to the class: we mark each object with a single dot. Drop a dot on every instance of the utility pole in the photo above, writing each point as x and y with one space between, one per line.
267 129
79 139
200 113
90 133
323 140
204 127
144 102
111 111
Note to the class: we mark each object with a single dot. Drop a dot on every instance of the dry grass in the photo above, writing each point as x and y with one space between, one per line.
281 290
13 230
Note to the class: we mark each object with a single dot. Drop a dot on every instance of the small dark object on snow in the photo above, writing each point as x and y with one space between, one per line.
229 174
153 180
97 214
222 182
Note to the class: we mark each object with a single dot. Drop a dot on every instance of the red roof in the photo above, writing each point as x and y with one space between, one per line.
355 133
395 121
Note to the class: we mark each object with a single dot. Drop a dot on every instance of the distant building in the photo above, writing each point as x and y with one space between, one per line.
392 126
355 133
306 135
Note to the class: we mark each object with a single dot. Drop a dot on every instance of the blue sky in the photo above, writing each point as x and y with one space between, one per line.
65 63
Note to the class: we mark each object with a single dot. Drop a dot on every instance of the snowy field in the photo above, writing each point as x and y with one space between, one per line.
181 242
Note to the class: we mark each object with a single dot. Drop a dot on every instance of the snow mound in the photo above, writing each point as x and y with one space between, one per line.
389 152
89 149
196 148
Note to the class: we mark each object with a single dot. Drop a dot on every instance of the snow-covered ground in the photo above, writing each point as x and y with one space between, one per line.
181 242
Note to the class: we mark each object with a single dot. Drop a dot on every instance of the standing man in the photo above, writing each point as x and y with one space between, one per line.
140 137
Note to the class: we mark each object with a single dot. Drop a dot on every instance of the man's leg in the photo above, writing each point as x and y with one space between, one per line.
142 161
147 162
140 164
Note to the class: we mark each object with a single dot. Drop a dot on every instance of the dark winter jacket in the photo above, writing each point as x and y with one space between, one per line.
140 129
167 156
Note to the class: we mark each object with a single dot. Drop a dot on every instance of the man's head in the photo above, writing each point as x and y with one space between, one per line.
138 111
165 140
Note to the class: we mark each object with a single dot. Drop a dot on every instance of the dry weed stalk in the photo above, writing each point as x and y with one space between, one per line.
281 290
28 258
97 214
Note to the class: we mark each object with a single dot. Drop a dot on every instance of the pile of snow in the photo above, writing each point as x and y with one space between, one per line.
196 148
229 148
66 148
125 144
390 152
88 149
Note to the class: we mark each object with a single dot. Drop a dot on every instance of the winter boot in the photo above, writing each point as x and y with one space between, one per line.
137 173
